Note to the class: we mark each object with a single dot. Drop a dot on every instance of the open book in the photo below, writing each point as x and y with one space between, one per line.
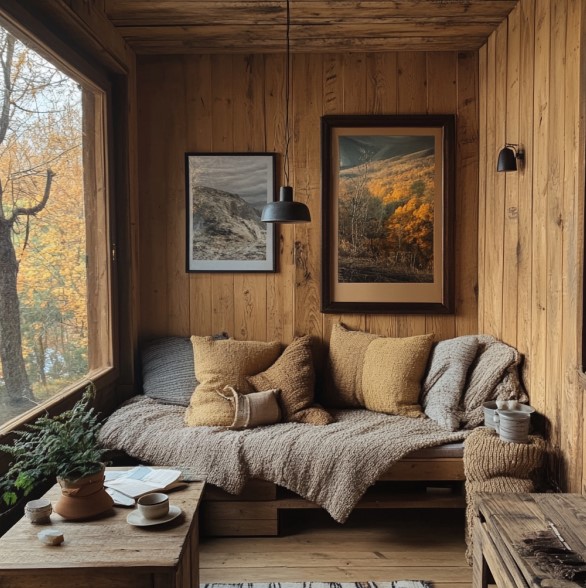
142 480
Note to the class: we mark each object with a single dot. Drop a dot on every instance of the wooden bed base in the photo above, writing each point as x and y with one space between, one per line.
413 482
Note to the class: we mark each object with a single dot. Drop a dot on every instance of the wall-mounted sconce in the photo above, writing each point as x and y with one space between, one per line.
508 156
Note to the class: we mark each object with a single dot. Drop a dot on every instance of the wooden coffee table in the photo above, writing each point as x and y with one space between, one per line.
106 552
506 523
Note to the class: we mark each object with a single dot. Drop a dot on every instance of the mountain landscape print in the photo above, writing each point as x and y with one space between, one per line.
226 194
386 195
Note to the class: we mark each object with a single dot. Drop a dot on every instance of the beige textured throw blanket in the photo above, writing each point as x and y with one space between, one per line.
331 465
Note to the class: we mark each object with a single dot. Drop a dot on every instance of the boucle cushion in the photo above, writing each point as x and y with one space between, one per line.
168 373
253 410
392 374
345 363
224 363
444 382
294 376
494 375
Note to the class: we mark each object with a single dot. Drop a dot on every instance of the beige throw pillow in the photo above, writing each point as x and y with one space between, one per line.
224 363
392 372
345 366
294 376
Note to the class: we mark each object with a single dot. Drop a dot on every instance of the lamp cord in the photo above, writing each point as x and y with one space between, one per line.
287 92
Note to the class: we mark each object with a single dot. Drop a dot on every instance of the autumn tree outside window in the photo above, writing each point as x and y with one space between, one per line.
54 274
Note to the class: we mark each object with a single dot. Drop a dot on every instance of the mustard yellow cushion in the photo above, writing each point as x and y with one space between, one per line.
294 376
343 387
392 373
224 363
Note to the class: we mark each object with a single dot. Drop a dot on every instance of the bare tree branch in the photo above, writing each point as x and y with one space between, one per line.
33 210
33 170
6 71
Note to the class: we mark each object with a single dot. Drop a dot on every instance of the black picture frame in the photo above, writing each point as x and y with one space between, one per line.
225 205
395 282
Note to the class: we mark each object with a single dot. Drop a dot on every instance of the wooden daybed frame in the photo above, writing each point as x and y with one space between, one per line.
428 478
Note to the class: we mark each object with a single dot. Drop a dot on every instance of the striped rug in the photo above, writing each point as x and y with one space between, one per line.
395 584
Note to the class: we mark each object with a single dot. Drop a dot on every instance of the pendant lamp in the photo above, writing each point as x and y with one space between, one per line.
286 210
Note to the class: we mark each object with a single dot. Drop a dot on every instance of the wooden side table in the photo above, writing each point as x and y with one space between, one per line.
506 522
106 552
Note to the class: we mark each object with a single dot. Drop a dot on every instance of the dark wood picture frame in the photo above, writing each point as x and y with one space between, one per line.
414 294
248 181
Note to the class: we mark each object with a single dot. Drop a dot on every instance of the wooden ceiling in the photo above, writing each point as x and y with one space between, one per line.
255 26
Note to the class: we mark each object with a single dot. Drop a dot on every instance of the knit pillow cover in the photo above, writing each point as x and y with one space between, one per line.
392 374
168 373
224 363
444 382
382 374
343 387
294 376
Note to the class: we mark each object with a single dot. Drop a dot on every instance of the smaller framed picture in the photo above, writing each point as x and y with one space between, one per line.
226 193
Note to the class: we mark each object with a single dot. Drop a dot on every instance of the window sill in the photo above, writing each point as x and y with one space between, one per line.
101 378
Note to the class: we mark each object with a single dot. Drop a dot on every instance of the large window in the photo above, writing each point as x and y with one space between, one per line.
54 278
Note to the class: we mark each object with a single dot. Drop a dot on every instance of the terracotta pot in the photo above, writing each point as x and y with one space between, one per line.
84 498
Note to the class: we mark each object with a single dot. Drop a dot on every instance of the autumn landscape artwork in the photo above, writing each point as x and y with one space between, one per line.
386 195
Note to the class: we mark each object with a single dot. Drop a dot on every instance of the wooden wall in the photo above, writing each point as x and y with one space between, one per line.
235 103
531 238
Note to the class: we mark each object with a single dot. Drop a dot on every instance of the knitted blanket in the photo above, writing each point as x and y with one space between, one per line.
331 465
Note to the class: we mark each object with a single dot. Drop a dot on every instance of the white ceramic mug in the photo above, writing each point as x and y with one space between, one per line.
154 505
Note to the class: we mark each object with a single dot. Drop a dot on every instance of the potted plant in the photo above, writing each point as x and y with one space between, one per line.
65 446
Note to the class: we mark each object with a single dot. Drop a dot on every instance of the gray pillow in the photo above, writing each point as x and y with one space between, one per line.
168 371
445 379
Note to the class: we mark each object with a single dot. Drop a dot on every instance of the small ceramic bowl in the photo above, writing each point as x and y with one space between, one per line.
154 505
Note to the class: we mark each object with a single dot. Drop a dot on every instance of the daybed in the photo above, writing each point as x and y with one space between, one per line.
351 463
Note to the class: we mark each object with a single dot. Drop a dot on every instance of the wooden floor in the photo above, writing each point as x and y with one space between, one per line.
378 546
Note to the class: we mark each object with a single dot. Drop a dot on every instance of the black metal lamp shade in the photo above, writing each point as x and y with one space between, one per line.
285 210
508 156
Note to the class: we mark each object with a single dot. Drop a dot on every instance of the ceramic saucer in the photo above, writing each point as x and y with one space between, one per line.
136 519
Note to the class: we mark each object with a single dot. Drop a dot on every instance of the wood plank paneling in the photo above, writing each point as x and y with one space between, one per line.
281 285
511 215
533 299
250 289
442 96
172 26
525 194
235 103
223 141
271 12
199 100
307 109
467 209
572 277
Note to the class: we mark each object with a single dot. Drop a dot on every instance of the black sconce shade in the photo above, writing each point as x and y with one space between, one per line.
285 210
508 156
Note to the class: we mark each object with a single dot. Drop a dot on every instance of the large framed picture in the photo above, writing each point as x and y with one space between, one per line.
225 196
387 214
